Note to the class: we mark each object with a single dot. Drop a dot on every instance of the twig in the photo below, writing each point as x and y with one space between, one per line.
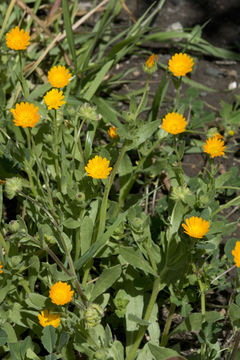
132 17
225 272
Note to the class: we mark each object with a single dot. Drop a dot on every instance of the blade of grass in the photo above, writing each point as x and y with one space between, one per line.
68 29
8 13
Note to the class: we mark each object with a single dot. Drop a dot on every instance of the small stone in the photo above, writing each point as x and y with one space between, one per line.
232 85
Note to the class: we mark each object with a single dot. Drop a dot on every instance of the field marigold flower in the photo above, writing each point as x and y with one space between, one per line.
214 146
45 319
196 227
180 64
25 115
112 132
61 293
54 99
1 267
17 39
236 253
174 123
98 168
59 76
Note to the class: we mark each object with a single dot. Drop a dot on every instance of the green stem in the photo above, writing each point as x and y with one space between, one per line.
78 143
167 326
55 150
66 251
181 173
143 97
103 211
133 351
177 85
229 203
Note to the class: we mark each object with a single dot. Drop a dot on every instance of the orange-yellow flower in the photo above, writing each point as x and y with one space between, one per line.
214 146
54 99
25 115
59 76
174 123
112 132
180 64
61 293
151 61
45 318
196 227
98 168
17 39
1 267
236 253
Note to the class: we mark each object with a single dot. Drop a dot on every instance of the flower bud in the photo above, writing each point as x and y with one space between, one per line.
80 197
49 239
87 112
100 354
150 65
13 186
180 193
93 315
13 226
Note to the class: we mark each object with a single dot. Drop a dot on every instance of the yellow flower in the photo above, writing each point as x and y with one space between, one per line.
17 39
150 65
236 253
174 123
112 132
25 115
98 168
214 146
59 76
196 227
45 319
1 267
180 64
54 99
60 293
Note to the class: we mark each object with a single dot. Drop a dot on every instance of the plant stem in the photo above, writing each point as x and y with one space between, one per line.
70 261
167 326
229 203
78 143
57 168
236 344
133 351
224 273
143 97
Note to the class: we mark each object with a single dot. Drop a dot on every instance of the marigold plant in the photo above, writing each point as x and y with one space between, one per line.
98 168
61 293
180 64
46 318
25 115
174 123
17 39
196 227
214 146
54 99
59 76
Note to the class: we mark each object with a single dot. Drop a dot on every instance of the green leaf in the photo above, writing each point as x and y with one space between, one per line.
136 259
194 321
36 301
49 338
70 223
18 349
68 28
234 314
96 82
176 217
162 353
3 337
105 281
64 337
137 320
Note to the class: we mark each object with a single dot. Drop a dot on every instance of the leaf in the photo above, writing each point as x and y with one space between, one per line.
176 217
234 314
105 281
36 301
136 259
49 338
64 337
96 82
68 28
70 223
194 321
137 320
162 353
3 337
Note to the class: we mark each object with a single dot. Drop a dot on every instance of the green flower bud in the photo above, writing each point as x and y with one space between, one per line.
80 197
180 193
93 315
13 226
121 301
13 186
87 112
100 354
49 239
